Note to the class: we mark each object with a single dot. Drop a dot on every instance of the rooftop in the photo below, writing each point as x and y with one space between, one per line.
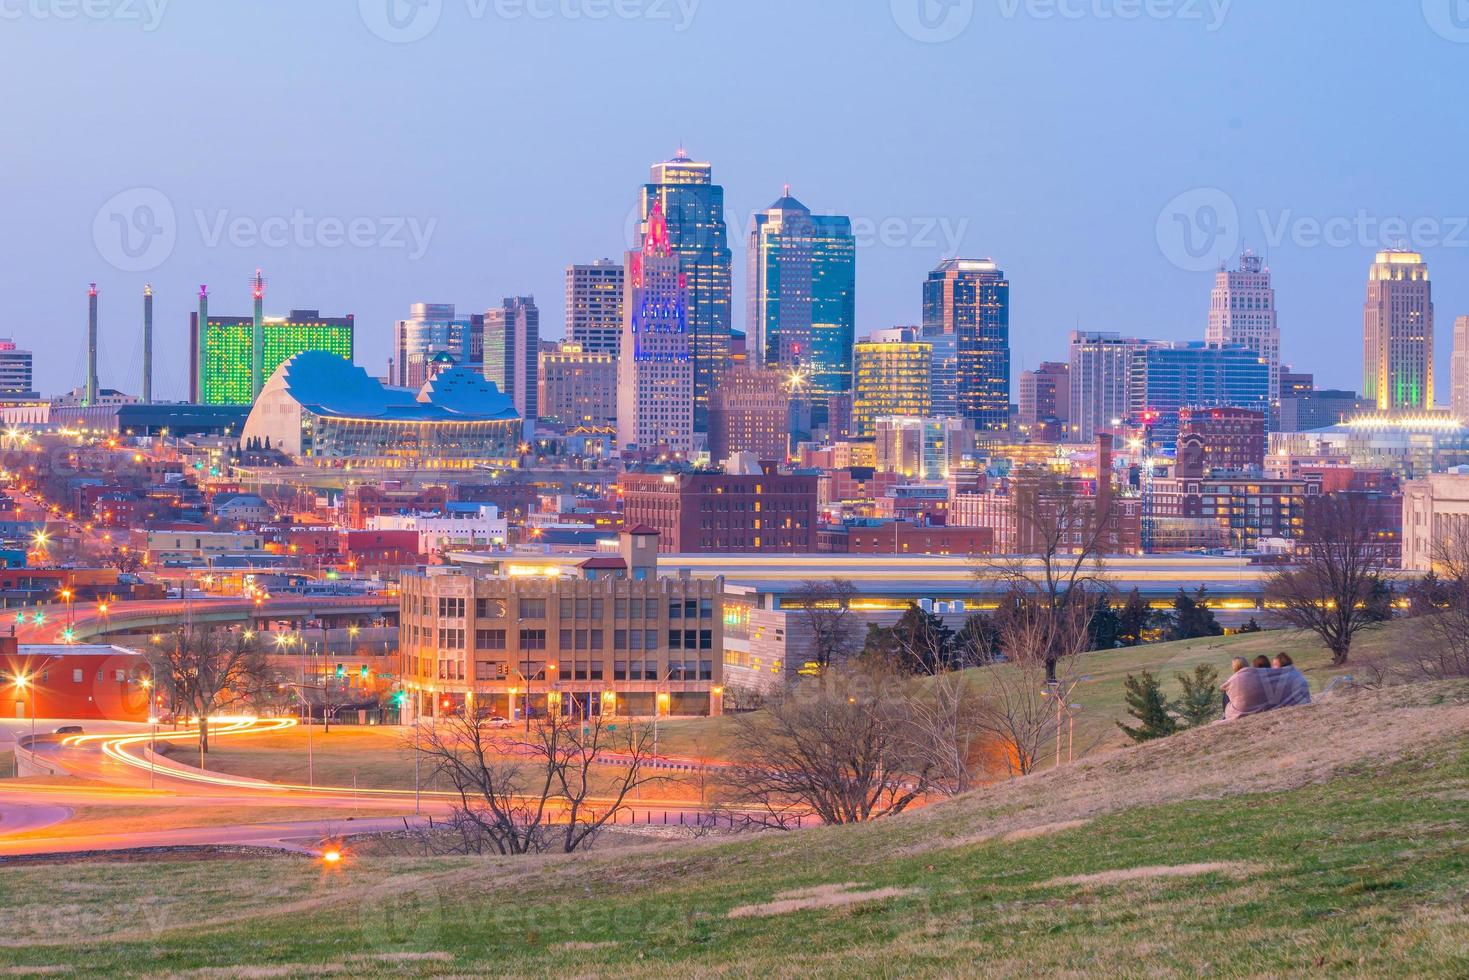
329 385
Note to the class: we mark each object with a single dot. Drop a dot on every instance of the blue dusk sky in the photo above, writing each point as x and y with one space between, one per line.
368 154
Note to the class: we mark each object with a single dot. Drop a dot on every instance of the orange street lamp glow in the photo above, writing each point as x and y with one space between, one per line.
332 856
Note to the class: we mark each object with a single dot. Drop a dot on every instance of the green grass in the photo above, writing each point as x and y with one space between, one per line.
1347 825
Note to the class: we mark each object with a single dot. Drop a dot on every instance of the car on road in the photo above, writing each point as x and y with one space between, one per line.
69 730
499 721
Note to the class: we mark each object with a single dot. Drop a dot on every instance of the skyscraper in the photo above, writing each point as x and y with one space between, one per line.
513 351
1098 371
802 296
579 387
432 329
891 377
971 299
692 208
594 306
1397 333
1460 368
944 379
1242 313
750 413
1167 377
655 372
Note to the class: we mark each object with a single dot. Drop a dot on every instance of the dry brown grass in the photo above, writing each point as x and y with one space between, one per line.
819 897
1121 875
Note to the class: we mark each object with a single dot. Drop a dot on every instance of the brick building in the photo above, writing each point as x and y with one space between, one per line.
711 512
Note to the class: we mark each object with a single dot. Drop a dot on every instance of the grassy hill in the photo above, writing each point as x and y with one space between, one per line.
1327 838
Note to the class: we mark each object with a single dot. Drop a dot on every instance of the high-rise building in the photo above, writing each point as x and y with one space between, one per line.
1295 384
1098 370
750 413
1045 393
1166 377
579 387
1460 368
944 379
512 353
1319 409
655 371
971 299
1228 438
1397 333
594 306
16 371
223 354
432 329
890 377
802 296
691 207
1242 313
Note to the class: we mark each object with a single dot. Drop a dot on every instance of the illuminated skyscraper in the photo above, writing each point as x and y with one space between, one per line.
513 353
1397 333
229 351
594 306
16 375
802 297
891 377
971 299
655 389
692 207
1242 313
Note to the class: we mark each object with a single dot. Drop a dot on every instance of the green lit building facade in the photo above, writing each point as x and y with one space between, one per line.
223 360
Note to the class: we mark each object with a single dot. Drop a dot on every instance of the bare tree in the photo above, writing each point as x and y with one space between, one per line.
1062 536
204 670
1037 647
946 730
1330 591
837 745
526 793
829 629
1444 652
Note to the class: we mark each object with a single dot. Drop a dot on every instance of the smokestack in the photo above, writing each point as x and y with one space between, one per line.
90 396
257 338
148 344
201 344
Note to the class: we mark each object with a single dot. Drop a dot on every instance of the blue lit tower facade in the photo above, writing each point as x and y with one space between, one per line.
802 298
655 372
692 206
970 299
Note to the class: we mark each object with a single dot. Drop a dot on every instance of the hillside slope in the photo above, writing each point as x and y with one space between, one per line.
1333 837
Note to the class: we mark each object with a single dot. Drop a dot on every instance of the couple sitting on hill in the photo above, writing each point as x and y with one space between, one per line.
1263 686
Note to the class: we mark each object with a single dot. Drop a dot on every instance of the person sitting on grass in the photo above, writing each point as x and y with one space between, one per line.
1262 662
1260 687
1288 676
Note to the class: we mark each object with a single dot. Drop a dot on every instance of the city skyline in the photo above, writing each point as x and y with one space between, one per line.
1011 188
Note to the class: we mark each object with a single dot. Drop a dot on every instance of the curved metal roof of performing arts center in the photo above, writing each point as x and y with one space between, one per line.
327 385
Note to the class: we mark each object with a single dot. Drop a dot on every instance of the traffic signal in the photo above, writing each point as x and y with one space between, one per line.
363 672
341 671
400 698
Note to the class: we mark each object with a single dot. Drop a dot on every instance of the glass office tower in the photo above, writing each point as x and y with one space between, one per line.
971 299
693 208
